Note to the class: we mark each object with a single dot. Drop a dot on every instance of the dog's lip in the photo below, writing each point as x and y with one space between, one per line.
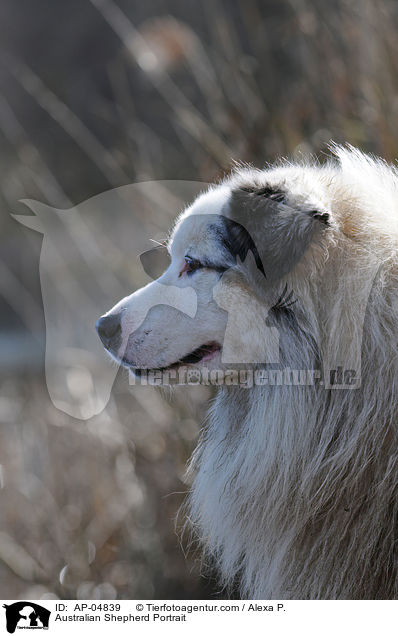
202 354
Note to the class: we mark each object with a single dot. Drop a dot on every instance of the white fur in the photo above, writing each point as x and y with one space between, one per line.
295 487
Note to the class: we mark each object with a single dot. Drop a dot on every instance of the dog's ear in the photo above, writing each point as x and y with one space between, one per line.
276 232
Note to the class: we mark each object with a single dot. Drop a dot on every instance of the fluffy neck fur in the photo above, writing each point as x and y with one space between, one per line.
297 499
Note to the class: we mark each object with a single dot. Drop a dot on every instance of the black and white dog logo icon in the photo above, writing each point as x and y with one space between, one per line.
26 615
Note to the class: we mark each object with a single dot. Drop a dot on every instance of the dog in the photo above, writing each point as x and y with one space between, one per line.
290 273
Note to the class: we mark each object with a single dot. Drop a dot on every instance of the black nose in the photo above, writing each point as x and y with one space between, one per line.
109 330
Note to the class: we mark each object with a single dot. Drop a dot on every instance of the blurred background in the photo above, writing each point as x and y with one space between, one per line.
99 94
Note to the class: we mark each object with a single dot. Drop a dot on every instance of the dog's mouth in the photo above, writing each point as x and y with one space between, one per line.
203 353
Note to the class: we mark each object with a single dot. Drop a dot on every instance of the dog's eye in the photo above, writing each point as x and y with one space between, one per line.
191 265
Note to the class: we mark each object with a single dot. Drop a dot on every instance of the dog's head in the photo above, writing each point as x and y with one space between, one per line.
227 290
